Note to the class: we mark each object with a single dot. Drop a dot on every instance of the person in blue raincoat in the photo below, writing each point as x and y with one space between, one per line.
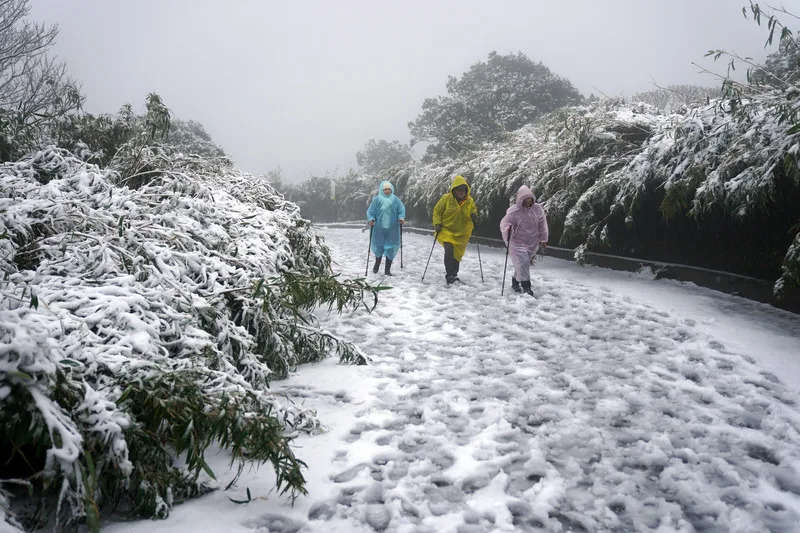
386 213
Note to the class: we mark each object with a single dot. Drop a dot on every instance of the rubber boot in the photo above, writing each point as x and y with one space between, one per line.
377 265
388 268
515 285
526 287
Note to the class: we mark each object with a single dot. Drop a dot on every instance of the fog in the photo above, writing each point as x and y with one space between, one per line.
304 86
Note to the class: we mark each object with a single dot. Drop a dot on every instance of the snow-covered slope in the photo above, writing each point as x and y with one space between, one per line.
611 402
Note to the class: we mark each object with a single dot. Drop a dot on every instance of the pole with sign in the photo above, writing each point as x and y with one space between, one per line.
333 198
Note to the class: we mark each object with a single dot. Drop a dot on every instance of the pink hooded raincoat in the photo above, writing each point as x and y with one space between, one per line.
528 227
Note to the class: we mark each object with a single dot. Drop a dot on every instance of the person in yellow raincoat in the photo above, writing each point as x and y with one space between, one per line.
453 220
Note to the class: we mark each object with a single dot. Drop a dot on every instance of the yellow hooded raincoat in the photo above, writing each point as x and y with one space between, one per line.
455 218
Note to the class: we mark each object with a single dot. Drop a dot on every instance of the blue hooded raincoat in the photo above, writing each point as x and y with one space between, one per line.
386 211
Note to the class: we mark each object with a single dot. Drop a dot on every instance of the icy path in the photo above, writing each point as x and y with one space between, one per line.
609 403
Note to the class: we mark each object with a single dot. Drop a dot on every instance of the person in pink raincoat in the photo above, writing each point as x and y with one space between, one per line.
525 224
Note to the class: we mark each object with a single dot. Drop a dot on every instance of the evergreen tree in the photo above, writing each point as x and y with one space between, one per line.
378 156
191 137
313 196
275 178
491 98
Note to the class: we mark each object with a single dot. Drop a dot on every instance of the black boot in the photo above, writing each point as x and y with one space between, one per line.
526 287
377 265
515 285
388 267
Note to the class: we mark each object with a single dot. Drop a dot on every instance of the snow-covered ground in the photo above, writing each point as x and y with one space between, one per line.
611 402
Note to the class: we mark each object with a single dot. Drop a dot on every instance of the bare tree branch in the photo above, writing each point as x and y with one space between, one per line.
23 45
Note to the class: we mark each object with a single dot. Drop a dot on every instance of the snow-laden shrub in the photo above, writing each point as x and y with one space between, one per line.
140 326
731 166
674 97
715 185
103 135
560 158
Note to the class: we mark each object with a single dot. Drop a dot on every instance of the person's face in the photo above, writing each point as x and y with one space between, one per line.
527 202
460 192
387 191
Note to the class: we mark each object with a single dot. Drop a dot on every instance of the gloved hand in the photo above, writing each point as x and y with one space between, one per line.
438 228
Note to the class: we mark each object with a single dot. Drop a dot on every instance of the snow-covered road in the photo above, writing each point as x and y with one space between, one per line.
611 402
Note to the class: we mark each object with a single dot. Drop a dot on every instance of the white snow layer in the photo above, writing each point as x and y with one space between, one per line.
607 403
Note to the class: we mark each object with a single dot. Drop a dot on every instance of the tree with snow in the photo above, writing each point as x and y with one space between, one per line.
35 91
378 156
191 137
491 98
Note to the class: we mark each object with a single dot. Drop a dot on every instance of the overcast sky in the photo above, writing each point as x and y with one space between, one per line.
304 85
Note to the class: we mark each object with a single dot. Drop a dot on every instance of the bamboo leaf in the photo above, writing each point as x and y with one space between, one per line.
205 467
771 31
19 374
258 286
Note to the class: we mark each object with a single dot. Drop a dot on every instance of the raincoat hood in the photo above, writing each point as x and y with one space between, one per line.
522 193
386 210
457 181
529 225
383 185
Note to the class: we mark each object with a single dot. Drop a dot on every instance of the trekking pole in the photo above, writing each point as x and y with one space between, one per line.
479 259
368 248
505 265
429 255
401 247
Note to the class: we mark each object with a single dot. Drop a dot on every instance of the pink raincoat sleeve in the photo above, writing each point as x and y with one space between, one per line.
544 231
509 221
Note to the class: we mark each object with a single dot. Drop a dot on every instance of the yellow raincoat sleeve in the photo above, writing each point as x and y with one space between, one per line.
438 209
